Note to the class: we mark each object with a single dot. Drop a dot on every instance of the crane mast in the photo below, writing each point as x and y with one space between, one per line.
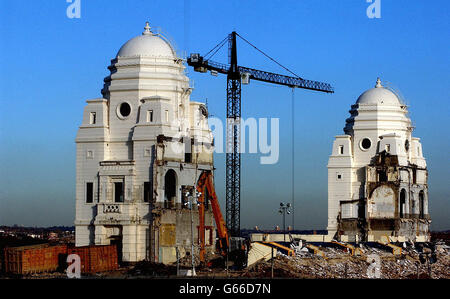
235 75
233 155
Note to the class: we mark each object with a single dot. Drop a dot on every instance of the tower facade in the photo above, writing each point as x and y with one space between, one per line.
377 175
141 148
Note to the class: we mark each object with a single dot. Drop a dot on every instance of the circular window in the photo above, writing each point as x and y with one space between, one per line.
124 110
366 143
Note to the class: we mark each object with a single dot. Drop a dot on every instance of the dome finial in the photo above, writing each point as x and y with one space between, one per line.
378 83
147 29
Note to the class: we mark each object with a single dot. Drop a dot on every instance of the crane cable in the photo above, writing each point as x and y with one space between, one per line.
220 45
293 158
269 57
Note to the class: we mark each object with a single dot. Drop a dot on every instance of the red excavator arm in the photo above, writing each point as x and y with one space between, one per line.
205 186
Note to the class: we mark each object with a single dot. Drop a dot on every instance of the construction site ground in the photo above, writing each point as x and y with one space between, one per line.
337 264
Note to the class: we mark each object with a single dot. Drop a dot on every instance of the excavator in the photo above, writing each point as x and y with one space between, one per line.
205 187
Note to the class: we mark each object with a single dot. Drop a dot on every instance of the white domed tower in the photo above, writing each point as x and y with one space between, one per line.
140 149
377 175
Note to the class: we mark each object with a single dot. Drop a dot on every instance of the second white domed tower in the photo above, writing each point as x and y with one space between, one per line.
377 176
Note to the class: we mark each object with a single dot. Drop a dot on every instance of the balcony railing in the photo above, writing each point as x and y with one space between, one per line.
111 208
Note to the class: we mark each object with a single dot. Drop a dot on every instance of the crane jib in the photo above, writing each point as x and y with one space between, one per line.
204 65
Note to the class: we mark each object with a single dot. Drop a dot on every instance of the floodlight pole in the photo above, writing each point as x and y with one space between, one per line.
283 209
192 238
190 203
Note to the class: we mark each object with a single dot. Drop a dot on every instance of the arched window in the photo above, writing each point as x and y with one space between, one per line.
421 205
402 203
170 188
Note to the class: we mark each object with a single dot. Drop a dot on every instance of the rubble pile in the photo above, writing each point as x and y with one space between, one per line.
339 263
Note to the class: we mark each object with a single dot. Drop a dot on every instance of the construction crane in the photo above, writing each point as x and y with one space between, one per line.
235 76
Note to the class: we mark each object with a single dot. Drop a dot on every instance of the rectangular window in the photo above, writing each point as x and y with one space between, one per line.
188 150
89 192
150 116
118 192
382 175
167 115
92 118
361 210
341 149
147 191
421 205
388 148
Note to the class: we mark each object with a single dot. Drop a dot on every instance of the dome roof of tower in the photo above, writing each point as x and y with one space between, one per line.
378 95
147 44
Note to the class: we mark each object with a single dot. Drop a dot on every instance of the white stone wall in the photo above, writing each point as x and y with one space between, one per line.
340 177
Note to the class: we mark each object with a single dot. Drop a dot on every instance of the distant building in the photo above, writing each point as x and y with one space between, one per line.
377 175
140 150
52 236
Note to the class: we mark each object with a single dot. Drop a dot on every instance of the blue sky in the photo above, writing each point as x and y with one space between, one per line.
51 64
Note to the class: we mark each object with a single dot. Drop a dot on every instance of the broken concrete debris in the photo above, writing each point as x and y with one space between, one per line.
336 262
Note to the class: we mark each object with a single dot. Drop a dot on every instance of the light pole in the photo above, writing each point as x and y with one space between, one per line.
284 208
190 203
